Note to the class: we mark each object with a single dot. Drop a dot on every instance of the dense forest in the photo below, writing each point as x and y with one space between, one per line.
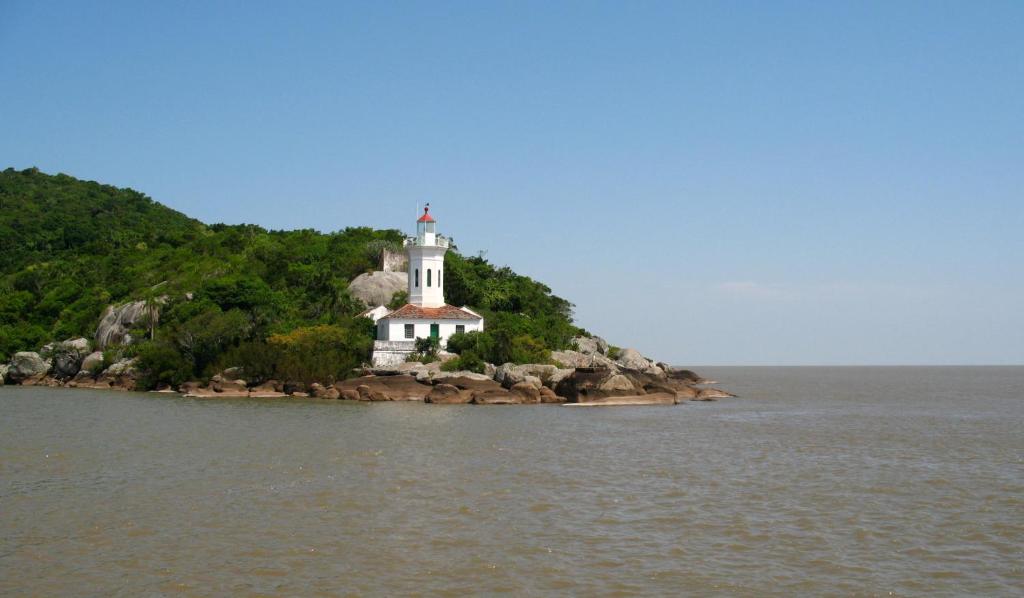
274 302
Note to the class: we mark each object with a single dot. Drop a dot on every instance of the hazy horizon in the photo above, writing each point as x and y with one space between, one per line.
720 184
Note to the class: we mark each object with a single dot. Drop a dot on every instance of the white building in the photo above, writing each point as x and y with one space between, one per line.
426 314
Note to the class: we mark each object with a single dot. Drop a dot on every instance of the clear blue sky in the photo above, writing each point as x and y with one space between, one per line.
712 183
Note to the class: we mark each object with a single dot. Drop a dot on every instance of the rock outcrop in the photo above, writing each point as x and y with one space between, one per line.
117 321
510 374
448 394
576 359
122 375
647 399
92 362
377 288
27 366
712 394
402 387
632 359
68 356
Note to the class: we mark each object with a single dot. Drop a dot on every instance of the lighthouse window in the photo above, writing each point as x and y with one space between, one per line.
459 329
409 331
428 277
417 277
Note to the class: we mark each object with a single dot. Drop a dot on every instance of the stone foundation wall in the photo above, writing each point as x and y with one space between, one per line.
389 359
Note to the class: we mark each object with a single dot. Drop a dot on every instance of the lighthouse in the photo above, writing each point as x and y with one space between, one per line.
426 262
426 315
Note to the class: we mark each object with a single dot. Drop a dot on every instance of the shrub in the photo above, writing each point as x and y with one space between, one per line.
319 353
468 360
257 359
461 341
399 299
161 364
428 345
526 349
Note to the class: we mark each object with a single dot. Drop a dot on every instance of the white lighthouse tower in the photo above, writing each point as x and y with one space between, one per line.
426 315
426 262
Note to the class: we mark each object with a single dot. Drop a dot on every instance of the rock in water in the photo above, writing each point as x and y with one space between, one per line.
68 356
618 384
526 390
649 399
711 394
386 388
548 396
497 397
447 394
27 365
121 374
377 288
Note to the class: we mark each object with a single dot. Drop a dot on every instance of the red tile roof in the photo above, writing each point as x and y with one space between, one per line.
445 312
426 217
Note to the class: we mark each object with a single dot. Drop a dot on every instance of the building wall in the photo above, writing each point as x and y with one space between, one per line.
393 261
394 330
423 258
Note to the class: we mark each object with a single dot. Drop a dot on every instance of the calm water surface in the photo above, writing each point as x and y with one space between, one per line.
866 481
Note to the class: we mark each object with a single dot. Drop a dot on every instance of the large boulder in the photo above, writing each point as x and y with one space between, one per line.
591 345
589 384
234 387
446 377
324 392
686 393
424 372
27 365
617 383
68 356
538 374
576 359
528 392
349 394
632 359
712 394
386 388
447 394
559 375
122 374
498 396
92 362
687 376
548 396
377 288
118 320
368 394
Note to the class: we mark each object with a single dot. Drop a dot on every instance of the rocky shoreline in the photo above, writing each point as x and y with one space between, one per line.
590 375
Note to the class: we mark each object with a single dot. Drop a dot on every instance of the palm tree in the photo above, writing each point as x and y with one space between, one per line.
152 311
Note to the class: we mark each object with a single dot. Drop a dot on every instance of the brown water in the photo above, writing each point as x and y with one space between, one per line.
879 481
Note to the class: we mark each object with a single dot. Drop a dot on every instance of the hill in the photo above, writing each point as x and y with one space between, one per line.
221 294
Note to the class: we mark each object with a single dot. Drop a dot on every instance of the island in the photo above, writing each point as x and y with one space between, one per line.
104 288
